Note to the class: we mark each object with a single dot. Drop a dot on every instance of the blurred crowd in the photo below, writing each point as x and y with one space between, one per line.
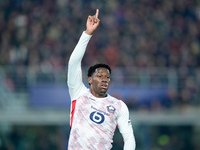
38 36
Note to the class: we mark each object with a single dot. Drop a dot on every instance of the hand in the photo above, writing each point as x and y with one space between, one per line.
92 23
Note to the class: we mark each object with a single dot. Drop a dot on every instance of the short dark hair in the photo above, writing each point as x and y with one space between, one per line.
92 69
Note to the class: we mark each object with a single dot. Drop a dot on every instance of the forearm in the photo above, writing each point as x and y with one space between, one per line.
125 128
79 51
129 141
74 79
74 65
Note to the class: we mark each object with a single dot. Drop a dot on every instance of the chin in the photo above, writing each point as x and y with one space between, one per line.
103 93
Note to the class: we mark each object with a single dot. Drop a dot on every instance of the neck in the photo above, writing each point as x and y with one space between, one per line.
98 95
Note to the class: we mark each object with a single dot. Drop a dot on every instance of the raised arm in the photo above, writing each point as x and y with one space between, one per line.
74 79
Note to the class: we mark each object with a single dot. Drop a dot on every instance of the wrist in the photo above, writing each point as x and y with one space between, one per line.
89 32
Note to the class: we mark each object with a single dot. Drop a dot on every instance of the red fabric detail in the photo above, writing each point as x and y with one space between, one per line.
72 111
115 128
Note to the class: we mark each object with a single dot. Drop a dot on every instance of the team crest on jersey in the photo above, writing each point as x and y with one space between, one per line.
111 109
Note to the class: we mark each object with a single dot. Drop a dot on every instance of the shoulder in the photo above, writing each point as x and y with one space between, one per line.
85 92
76 94
118 102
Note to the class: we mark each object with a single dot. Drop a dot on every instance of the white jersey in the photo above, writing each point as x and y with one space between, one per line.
94 120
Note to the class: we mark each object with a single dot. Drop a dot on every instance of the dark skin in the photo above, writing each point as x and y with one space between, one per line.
99 82
92 23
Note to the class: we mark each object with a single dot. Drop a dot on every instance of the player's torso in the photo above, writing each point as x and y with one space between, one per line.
94 122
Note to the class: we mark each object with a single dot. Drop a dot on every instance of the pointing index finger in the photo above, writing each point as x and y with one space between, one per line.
97 13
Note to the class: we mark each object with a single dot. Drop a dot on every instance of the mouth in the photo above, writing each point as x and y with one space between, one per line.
104 86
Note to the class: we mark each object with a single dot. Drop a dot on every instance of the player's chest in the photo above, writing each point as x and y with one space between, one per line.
97 111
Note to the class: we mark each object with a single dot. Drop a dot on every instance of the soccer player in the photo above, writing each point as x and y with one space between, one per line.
94 113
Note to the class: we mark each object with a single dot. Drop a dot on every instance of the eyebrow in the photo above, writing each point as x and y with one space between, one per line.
108 74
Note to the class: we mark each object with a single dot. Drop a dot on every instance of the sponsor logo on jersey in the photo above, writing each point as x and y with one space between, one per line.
97 117
98 110
111 109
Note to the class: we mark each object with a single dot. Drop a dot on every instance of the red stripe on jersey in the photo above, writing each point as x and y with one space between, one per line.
115 128
72 111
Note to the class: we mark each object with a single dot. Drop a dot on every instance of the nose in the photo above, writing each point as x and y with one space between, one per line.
104 79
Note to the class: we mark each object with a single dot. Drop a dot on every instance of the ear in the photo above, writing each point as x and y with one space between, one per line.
90 80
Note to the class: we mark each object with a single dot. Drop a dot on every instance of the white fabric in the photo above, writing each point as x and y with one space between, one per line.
94 119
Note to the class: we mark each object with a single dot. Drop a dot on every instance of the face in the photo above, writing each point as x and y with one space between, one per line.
99 82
